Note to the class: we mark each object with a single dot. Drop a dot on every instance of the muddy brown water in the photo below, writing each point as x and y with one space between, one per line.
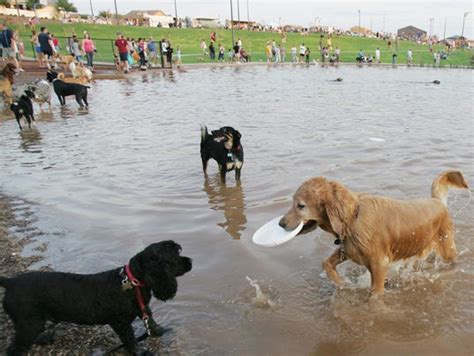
107 182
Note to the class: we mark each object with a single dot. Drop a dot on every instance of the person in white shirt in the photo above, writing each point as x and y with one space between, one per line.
377 55
302 52
293 54
409 57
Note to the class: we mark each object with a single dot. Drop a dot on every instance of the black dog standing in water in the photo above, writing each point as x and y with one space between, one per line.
224 146
114 297
24 108
63 89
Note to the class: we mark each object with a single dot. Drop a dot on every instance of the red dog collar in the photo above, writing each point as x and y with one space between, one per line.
138 284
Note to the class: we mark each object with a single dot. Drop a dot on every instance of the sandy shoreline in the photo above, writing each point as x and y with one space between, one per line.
68 337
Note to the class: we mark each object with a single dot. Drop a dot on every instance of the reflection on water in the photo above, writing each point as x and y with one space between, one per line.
127 172
31 140
231 200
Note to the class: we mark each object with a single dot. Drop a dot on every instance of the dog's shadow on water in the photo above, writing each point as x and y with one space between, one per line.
230 199
31 140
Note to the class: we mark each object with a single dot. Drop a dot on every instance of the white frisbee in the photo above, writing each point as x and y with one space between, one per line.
271 234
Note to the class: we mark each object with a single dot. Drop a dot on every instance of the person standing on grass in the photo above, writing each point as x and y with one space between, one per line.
377 55
76 49
203 47
152 51
337 53
283 53
212 51
17 49
36 45
409 57
306 54
236 52
293 54
8 45
302 52
89 48
394 59
169 54
179 61
164 49
277 57
268 52
46 46
220 58
122 49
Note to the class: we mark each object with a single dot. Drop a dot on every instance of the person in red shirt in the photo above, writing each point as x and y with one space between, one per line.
122 48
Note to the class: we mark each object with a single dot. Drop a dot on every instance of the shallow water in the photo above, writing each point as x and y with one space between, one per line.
107 182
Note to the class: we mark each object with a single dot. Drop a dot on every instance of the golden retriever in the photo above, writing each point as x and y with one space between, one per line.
7 75
374 231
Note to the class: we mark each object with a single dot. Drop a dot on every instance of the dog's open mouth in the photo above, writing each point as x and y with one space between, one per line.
308 226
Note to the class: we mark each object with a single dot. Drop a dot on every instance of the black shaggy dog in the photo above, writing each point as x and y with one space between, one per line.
24 108
114 297
224 146
63 89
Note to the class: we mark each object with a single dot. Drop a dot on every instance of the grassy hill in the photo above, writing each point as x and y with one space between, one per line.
189 40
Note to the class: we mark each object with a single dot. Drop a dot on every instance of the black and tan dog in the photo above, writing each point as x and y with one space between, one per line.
63 89
224 146
114 297
23 107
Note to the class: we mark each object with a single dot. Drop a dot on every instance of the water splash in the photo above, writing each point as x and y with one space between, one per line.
261 299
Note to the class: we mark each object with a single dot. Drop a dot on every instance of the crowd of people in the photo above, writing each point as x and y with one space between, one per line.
144 52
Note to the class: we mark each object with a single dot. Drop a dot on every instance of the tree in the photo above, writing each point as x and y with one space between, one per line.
66 6
4 2
30 4
105 14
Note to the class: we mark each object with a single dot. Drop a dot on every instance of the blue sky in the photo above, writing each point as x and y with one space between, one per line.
340 13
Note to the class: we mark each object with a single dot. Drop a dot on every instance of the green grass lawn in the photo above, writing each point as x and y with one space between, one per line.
254 42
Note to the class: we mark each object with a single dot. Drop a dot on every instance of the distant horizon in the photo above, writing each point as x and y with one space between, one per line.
343 14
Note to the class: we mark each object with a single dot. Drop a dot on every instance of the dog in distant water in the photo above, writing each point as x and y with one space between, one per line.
375 231
63 89
224 146
24 108
115 297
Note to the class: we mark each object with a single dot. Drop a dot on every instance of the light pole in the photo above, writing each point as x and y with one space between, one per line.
175 14
464 22
238 14
248 16
18 9
232 23
431 26
116 12
444 33
92 9
359 22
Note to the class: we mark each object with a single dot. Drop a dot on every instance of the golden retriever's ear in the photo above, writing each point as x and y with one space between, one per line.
341 206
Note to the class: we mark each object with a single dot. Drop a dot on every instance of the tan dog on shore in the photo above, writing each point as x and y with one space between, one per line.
82 80
7 75
374 231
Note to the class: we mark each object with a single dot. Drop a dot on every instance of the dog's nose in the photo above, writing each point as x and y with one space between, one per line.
282 223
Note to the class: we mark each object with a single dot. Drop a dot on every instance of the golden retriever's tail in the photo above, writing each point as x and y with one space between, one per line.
447 179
